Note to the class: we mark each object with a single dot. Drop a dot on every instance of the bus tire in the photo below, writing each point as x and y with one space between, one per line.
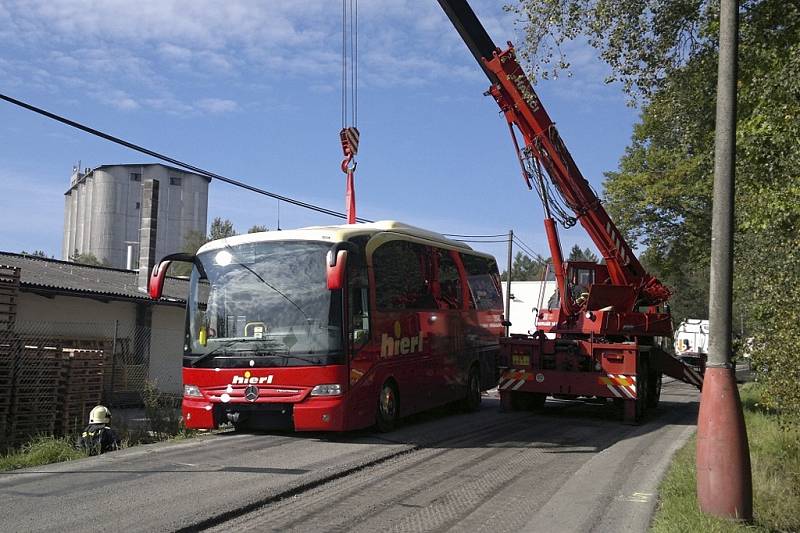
472 400
388 408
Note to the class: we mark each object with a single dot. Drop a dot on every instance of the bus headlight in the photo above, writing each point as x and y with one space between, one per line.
333 389
192 391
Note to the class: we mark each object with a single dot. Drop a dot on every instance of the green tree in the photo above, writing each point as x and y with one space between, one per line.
643 42
191 243
257 228
86 259
665 53
38 253
221 229
576 254
525 269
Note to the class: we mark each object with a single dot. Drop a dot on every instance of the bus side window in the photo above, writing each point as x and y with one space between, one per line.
358 295
449 282
402 276
484 282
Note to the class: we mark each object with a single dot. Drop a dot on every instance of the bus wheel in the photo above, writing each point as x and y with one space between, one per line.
472 401
386 418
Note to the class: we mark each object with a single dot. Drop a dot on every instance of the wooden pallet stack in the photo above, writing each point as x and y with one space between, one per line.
81 389
9 345
38 373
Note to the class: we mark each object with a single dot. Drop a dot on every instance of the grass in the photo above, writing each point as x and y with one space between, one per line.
775 462
41 451
164 423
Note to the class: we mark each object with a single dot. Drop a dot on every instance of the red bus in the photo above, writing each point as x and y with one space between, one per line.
336 328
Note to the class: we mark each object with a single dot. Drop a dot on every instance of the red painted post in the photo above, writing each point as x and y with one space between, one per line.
724 485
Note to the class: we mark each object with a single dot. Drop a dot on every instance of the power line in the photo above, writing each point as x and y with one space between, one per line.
174 161
527 249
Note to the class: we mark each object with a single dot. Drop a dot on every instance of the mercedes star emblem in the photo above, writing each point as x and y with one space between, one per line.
251 393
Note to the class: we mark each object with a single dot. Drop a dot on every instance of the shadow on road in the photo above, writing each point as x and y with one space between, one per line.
562 426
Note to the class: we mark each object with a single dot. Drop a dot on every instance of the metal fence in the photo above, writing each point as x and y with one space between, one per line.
53 373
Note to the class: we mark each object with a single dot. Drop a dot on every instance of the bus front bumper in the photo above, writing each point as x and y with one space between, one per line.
311 414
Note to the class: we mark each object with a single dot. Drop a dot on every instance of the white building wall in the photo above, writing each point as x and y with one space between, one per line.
68 310
76 317
67 226
528 295
73 221
166 348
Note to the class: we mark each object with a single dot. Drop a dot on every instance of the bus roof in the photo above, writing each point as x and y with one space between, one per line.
337 234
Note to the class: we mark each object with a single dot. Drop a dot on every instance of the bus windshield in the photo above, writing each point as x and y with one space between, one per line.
263 304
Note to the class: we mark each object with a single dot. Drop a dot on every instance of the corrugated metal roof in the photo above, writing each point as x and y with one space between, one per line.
40 272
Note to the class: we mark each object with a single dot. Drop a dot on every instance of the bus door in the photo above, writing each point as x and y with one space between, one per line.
361 351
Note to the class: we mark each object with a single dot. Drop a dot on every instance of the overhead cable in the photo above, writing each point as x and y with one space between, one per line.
528 250
174 161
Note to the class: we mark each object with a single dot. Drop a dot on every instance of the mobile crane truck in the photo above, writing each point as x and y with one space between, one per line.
611 322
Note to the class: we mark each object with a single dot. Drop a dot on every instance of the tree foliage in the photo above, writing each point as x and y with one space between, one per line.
660 196
221 229
37 253
257 228
576 254
643 42
525 269
86 259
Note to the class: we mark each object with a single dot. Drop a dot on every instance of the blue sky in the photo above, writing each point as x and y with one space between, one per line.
251 90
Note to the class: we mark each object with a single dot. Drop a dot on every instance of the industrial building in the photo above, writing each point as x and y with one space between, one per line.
103 205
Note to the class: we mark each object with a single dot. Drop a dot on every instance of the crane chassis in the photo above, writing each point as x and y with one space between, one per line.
607 335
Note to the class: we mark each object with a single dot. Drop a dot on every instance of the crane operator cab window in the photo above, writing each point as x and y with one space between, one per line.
581 279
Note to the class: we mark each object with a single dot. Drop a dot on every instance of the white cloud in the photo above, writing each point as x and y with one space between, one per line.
217 105
149 49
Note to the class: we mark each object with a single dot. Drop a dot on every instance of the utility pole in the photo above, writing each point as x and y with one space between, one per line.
508 283
724 484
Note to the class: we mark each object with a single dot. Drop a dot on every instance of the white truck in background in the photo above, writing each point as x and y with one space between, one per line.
691 337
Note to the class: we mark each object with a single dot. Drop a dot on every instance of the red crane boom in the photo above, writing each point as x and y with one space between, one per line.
605 338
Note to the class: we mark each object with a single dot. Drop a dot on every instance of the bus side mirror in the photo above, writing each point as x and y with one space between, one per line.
337 264
155 285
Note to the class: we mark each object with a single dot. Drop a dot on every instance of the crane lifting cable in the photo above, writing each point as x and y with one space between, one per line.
349 135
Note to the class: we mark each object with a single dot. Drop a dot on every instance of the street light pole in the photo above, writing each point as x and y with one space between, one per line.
724 485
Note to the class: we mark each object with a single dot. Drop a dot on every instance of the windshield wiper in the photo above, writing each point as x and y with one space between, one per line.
262 280
215 350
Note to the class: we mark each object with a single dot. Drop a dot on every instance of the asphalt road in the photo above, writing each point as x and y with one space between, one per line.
574 467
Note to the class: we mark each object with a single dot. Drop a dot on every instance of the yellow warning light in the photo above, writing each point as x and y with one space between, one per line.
247 374
398 331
